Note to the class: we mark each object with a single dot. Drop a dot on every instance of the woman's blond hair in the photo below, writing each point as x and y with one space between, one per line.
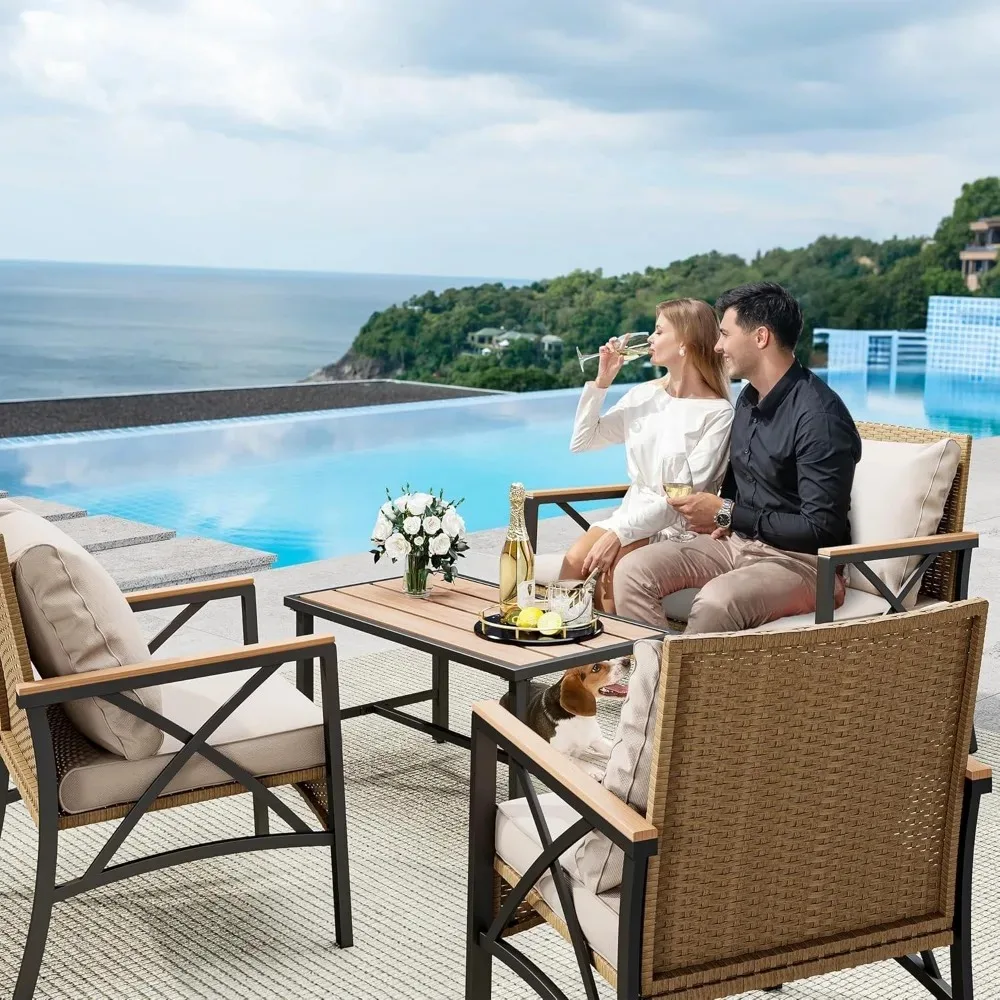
698 330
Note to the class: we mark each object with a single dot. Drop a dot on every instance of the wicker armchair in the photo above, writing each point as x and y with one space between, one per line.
811 808
944 567
39 746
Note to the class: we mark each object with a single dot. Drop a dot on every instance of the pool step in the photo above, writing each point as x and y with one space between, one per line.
105 531
180 560
49 509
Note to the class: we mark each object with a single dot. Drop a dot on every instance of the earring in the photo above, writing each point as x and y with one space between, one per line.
681 352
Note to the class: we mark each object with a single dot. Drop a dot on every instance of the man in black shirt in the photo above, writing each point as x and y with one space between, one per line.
787 493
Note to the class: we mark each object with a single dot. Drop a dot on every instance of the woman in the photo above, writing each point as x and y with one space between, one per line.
689 412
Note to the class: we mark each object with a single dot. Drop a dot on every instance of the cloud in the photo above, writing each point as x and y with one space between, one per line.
516 137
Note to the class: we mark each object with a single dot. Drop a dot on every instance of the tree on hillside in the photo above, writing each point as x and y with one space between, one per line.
978 198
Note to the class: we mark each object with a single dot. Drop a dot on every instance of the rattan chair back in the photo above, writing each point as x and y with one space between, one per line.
807 786
15 736
940 579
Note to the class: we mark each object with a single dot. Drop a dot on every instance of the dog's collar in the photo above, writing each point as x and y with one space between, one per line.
545 712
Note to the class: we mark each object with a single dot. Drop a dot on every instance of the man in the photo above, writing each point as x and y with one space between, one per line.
787 493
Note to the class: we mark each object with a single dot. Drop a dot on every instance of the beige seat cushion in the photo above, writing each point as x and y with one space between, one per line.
277 729
518 844
857 604
7 506
598 862
899 491
76 620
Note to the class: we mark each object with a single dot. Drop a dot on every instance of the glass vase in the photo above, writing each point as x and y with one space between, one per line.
415 576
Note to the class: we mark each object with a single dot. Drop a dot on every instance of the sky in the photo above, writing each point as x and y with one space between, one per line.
518 138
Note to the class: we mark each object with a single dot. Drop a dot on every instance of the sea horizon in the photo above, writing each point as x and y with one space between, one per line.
82 328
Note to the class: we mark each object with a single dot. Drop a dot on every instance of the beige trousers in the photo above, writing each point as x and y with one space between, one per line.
744 583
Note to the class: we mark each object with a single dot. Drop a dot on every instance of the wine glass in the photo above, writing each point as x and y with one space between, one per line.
675 474
629 345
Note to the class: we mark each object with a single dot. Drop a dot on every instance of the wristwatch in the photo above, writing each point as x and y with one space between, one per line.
724 515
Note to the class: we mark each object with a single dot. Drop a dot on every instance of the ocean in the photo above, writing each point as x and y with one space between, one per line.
95 329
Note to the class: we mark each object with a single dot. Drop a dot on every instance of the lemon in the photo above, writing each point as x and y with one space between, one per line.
550 623
528 618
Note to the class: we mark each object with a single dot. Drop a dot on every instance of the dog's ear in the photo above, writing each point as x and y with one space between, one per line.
575 697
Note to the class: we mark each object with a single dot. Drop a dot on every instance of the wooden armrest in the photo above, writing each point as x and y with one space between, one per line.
923 545
187 593
110 680
579 493
976 770
630 824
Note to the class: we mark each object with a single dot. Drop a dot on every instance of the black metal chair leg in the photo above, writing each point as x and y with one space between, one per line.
41 909
336 808
4 781
482 812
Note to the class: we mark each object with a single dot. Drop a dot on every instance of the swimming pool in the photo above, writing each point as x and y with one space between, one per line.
307 486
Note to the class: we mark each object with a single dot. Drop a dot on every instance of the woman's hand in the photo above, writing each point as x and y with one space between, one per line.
609 364
603 553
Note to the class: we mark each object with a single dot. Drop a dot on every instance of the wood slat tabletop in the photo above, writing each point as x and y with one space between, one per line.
448 614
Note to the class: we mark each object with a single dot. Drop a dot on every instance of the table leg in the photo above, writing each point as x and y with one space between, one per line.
518 691
304 668
439 683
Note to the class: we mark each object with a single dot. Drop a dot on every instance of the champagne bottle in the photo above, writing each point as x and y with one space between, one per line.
517 558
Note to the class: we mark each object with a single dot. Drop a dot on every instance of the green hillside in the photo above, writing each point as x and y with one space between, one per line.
840 282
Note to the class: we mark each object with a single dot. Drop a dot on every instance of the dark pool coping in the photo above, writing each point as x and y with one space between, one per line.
26 418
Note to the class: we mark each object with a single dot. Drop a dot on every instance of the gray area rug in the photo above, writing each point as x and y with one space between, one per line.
261 926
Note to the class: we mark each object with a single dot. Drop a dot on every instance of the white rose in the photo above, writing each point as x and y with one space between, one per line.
440 545
382 529
411 525
418 542
418 503
396 546
388 509
432 524
400 502
453 523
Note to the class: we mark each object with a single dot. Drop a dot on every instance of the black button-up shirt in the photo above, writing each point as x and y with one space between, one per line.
791 464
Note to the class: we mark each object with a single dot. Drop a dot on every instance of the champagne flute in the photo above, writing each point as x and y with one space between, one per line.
629 345
675 474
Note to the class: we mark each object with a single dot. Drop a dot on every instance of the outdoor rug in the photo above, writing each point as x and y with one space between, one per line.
261 925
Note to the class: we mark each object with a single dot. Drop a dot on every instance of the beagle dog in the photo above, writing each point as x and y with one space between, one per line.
565 713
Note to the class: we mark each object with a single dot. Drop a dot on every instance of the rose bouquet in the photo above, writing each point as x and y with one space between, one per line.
423 529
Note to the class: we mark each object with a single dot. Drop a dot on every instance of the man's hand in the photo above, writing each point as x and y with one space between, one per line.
603 554
699 510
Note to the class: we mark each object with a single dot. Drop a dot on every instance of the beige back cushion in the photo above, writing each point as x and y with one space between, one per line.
599 864
899 492
76 620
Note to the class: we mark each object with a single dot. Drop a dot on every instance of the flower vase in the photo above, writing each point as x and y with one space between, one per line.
415 576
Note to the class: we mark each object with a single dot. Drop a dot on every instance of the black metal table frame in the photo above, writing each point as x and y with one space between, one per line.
518 678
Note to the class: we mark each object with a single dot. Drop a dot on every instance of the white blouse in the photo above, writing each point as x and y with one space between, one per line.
652 424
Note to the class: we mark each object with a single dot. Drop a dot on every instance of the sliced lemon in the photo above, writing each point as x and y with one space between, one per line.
550 623
529 617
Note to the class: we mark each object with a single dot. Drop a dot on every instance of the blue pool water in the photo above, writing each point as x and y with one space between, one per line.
308 486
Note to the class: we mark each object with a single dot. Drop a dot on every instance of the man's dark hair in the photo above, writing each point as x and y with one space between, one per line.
765 303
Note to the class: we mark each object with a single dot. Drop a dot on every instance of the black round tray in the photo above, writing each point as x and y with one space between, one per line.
490 627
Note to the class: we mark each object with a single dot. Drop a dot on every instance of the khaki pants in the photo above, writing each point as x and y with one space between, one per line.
744 583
